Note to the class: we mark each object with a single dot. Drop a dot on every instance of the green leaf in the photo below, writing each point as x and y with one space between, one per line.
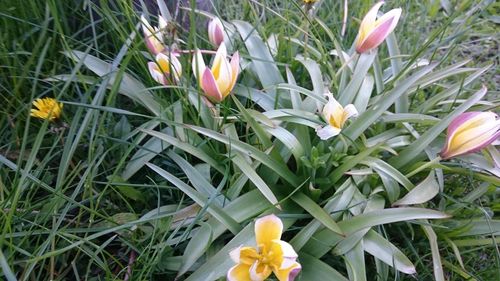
355 262
316 211
350 163
214 210
385 251
249 172
251 151
196 247
363 64
423 192
315 269
366 119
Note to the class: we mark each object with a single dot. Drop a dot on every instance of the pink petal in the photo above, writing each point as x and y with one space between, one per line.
375 37
209 86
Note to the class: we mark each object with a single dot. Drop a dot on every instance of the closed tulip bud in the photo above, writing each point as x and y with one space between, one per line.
470 132
166 69
215 32
218 81
373 31
335 115
154 36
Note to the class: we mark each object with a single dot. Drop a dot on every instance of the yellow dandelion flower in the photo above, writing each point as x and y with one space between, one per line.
46 108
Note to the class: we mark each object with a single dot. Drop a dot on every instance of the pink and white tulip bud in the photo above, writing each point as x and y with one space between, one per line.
470 132
153 36
215 32
373 31
166 69
218 81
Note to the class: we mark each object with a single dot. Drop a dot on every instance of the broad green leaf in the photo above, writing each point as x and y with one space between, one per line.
409 117
323 240
199 182
385 251
423 192
195 151
196 247
315 269
363 64
316 211
289 140
436 257
214 210
251 151
369 117
355 263
481 227
255 178
350 163
314 73
364 94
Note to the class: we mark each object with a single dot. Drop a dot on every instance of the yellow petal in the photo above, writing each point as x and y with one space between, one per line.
288 274
267 229
220 56
260 271
245 255
239 272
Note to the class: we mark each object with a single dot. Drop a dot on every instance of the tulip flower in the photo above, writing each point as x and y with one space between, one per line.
271 255
215 32
470 132
335 115
46 108
218 81
373 31
154 36
166 70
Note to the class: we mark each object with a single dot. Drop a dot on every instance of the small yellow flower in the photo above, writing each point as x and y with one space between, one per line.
310 1
46 108
271 255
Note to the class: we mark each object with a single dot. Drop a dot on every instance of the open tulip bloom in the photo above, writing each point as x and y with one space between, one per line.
470 132
153 36
218 81
373 31
271 255
215 32
335 115
166 69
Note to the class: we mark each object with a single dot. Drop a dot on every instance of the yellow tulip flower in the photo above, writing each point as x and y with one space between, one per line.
271 255
166 70
335 115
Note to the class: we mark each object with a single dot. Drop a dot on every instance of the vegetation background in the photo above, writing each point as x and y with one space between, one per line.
72 209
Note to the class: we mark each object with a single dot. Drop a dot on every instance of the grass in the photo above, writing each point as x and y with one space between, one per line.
78 203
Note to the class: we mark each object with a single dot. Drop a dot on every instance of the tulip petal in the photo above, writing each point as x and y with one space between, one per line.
327 132
235 68
333 112
267 229
209 86
375 37
220 56
239 272
285 252
469 132
198 65
215 32
368 21
156 73
245 255
349 111
288 274
260 271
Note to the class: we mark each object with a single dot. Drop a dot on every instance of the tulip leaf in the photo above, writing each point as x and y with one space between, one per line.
364 94
316 211
251 151
367 118
315 269
422 193
201 200
355 262
385 251
411 151
249 172
364 63
315 73
196 247
351 162
195 151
